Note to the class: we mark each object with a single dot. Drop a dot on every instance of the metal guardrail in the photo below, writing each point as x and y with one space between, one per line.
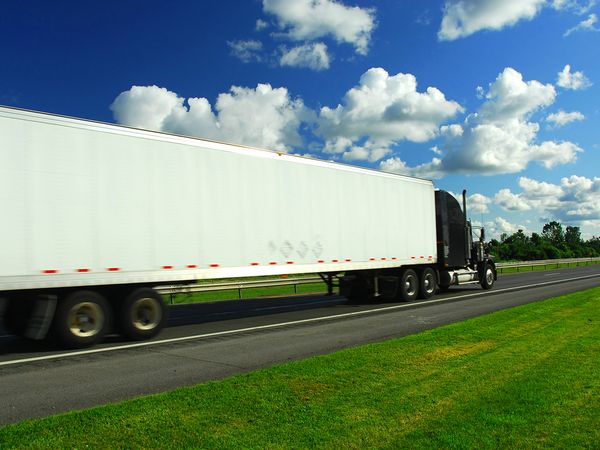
239 286
546 263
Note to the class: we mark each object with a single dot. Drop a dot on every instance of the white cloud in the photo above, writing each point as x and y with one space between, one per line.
584 25
509 201
500 138
499 226
313 56
465 17
381 111
575 81
395 165
145 106
478 204
307 20
575 199
261 25
265 117
561 118
246 51
578 7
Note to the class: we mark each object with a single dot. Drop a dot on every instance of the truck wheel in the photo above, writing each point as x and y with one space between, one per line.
427 285
81 319
409 285
487 280
142 314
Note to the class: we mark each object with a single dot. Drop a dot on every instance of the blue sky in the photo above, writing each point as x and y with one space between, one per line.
496 96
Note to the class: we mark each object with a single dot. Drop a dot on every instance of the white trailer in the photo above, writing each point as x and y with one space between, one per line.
94 215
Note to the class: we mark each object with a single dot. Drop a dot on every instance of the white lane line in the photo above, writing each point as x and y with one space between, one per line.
284 324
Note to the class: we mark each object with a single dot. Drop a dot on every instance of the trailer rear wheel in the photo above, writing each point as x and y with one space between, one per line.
427 285
142 315
81 319
409 285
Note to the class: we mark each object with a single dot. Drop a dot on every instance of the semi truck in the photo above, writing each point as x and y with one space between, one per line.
95 216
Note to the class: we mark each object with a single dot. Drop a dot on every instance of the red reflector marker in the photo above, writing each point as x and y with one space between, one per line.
50 271
192 266
394 258
348 260
113 269
272 263
290 262
371 259
254 264
82 270
214 265
321 261
167 267
335 260
383 259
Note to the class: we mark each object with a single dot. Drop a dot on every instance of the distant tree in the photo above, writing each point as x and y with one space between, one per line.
553 231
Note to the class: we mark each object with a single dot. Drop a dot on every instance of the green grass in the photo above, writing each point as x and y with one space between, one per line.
246 293
528 377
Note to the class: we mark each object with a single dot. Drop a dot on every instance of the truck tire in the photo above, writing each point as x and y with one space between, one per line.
427 283
409 285
487 277
81 319
142 314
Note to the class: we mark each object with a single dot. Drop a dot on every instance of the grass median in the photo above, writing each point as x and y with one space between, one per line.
526 377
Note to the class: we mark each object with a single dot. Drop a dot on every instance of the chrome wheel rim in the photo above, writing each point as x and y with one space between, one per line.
410 285
85 319
428 283
146 313
489 276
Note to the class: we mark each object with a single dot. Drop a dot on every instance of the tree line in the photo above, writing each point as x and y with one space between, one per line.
553 242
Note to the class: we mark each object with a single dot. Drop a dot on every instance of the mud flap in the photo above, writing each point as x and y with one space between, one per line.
41 317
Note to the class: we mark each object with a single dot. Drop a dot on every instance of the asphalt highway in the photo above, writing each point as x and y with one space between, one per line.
212 341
